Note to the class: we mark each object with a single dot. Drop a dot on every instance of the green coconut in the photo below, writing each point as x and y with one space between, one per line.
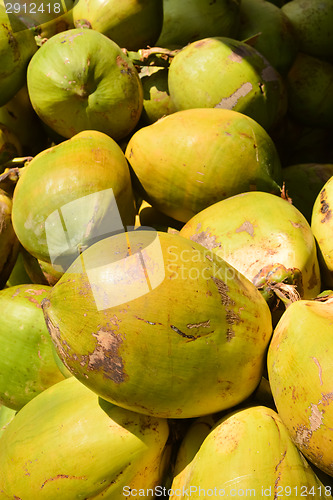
299 143
27 365
278 3
322 228
276 39
6 416
80 79
33 268
192 439
10 146
156 96
19 116
159 325
17 46
264 237
220 72
19 275
310 91
190 20
70 195
68 443
303 183
312 21
246 453
300 371
132 24
38 271
9 243
191 159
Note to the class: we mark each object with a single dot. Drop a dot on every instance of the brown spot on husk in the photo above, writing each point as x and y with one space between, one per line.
182 334
231 101
303 436
293 394
276 484
17 292
316 418
297 225
325 208
246 226
34 301
230 334
60 345
203 324
32 291
327 398
62 476
232 317
223 290
190 338
119 60
148 322
203 42
125 68
280 461
206 240
106 356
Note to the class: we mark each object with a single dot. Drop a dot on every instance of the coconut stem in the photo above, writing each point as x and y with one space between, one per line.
40 41
10 176
152 56
286 293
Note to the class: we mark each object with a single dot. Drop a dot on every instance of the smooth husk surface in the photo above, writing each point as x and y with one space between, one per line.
9 244
27 365
70 194
70 443
201 156
277 40
247 453
80 79
189 20
132 24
